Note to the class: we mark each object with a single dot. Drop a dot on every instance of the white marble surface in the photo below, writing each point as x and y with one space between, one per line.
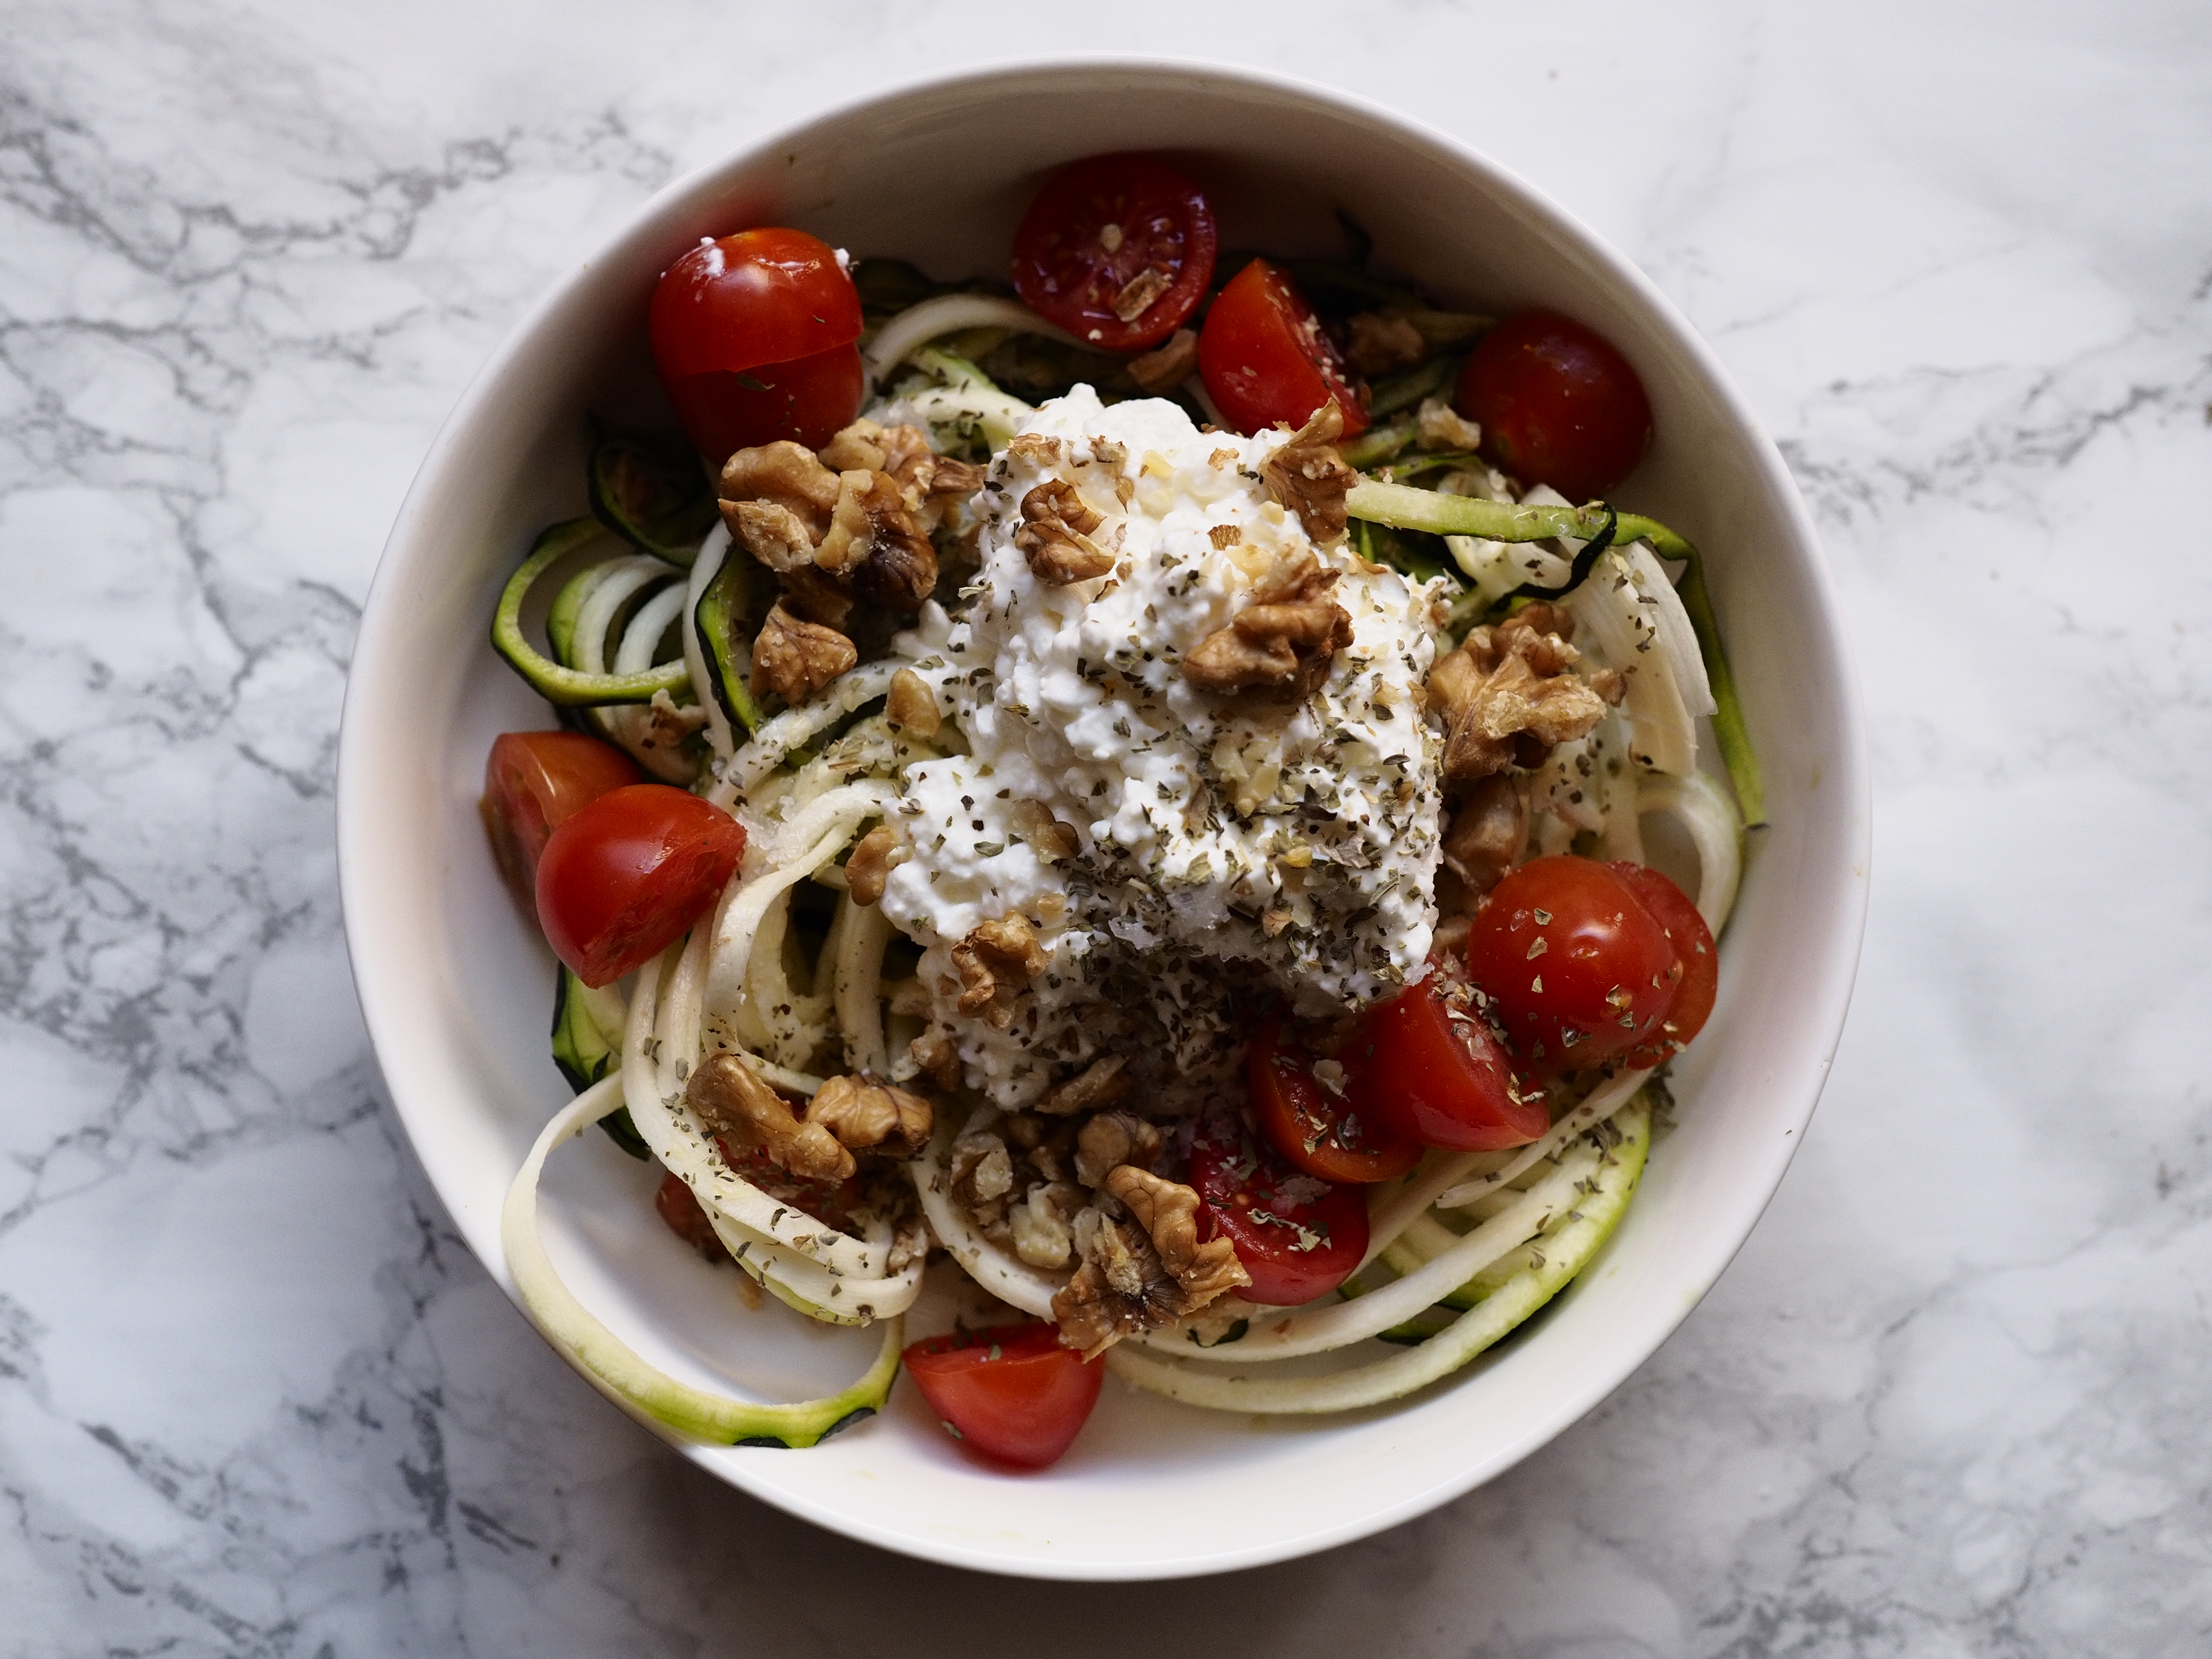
255 1399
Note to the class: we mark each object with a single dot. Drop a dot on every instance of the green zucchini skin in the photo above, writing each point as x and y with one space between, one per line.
587 1035
566 688
716 617
653 496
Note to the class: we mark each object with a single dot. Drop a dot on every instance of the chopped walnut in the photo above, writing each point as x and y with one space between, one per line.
1052 841
730 1100
870 865
1509 692
667 726
785 474
912 706
771 532
1441 427
1126 1284
1103 1083
983 1172
1111 1140
1380 342
936 1058
993 962
1307 474
1166 367
1055 535
794 657
874 547
864 447
1040 1223
1282 644
867 1116
1041 447
1138 294
1488 833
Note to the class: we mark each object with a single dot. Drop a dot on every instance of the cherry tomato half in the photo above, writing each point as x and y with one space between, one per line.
620 881
1557 404
755 338
1430 1068
1117 250
1692 941
1265 359
1577 969
534 782
1312 1125
1009 1392
1297 1237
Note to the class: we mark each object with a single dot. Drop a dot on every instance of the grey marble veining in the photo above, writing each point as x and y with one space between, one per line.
255 1399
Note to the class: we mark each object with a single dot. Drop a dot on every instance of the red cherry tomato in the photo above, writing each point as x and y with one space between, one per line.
1692 941
1010 1393
1266 359
1312 1125
1557 404
679 1207
1298 1238
755 338
535 782
620 881
1576 968
1429 1067
1117 250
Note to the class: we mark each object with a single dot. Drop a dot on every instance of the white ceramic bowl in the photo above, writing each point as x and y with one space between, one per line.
457 987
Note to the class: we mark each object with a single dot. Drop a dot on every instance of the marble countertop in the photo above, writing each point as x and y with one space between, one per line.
255 1398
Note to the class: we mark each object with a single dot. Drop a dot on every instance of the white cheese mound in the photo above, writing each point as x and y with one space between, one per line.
1224 842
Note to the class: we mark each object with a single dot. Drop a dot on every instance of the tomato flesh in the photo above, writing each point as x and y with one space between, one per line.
1686 930
1314 1128
1576 968
1557 404
534 782
1265 361
1299 1236
621 880
755 336
1118 250
1010 1394
1431 1069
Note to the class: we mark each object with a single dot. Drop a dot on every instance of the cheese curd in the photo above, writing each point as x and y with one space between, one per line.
1219 841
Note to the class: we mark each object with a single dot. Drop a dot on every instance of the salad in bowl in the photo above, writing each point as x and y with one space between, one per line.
1166 780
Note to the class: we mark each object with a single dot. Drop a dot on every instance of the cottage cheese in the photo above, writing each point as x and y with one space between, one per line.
1225 843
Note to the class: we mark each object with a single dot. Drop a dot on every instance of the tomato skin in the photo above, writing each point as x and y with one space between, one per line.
1311 1129
1670 907
620 881
1010 1394
1065 271
1575 967
679 1207
534 782
1431 1070
1265 359
755 336
1558 404
1238 1179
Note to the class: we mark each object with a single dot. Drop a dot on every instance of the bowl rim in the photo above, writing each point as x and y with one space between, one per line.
383 617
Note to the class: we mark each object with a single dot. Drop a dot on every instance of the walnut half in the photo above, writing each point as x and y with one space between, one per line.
1281 645
867 1116
1055 535
1509 692
730 1100
794 657
993 962
1145 1273
1307 474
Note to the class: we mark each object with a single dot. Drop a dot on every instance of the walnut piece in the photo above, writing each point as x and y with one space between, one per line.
730 1100
1307 474
1110 1140
1509 692
1441 427
1103 1083
1138 294
982 1172
771 532
1055 535
1380 342
994 962
1052 841
1281 645
1488 833
867 1116
938 1060
870 865
794 657
1142 1274
912 706
787 475
1168 365
873 548
1041 1235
